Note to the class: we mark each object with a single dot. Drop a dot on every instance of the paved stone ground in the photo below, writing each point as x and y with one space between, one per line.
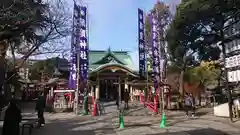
177 124
137 122
70 124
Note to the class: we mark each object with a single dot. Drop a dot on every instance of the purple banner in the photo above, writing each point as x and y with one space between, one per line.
83 48
155 51
141 44
74 44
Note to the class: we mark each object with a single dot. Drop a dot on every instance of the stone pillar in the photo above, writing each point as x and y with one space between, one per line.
92 91
51 92
125 86
97 92
131 92
119 91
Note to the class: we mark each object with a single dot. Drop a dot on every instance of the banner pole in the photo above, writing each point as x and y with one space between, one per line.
77 85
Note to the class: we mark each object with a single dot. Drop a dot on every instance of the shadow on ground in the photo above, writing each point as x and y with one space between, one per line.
207 131
75 127
133 109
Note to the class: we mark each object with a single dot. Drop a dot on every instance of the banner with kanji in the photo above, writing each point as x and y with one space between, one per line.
83 46
155 51
141 44
74 44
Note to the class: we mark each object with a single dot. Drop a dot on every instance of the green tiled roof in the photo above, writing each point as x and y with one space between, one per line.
123 57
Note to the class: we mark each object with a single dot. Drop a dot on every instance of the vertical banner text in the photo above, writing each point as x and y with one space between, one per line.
74 44
155 51
141 44
83 46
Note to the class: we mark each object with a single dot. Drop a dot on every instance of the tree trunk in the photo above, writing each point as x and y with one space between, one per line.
199 99
3 50
181 80
181 83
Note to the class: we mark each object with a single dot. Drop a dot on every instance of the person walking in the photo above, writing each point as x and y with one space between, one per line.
40 107
12 119
188 104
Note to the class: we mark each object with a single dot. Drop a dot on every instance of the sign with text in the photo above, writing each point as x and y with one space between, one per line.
83 46
155 51
141 44
74 42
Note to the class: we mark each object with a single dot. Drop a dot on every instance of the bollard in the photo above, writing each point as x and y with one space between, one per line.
163 121
121 120
94 112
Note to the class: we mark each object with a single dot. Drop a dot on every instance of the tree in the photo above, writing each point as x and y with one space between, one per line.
198 25
162 13
201 24
42 66
202 77
28 25
13 85
206 74
47 67
205 23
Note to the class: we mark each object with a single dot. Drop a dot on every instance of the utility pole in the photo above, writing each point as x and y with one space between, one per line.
229 92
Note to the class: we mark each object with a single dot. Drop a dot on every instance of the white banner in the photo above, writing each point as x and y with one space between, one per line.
238 75
230 76
238 60
235 79
234 76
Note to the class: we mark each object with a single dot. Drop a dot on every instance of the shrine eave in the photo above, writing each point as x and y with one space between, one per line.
114 67
143 84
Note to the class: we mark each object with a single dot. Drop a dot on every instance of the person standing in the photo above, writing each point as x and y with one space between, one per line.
12 119
40 107
188 104
117 100
126 98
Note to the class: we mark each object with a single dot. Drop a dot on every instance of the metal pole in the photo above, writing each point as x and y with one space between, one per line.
97 90
77 85
162 93
229 93
85 103
119 91
146 94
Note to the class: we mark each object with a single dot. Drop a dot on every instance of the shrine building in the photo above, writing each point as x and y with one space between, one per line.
109 68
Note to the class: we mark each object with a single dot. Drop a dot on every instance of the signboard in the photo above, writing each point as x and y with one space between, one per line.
238 75
83 47
155 51
141 44
230 76
60 91
74 40
232 61
234 76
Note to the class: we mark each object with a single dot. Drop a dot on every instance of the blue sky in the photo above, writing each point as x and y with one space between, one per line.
113 23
